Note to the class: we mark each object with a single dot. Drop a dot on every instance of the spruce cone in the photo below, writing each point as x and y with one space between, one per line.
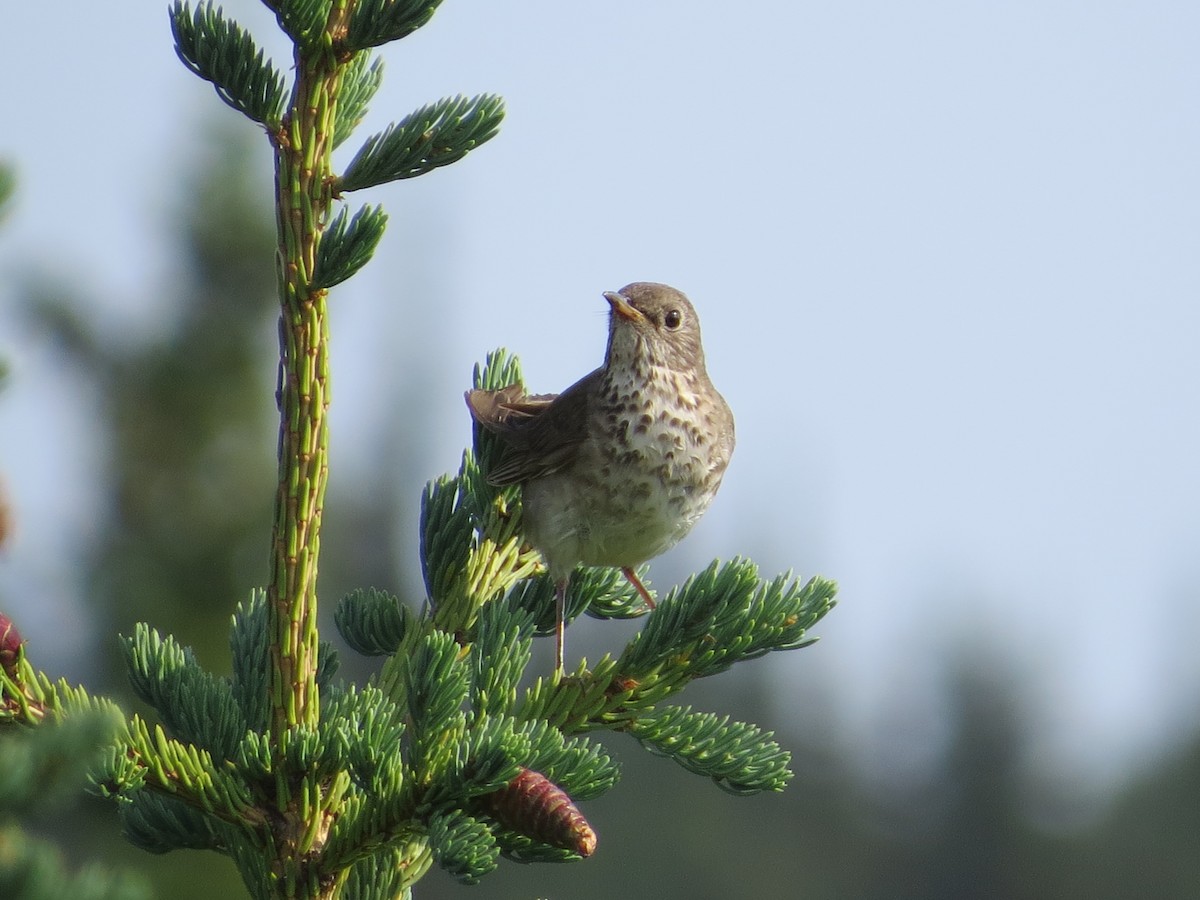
536 807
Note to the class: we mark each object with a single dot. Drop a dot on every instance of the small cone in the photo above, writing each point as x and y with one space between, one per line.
534 806
10 646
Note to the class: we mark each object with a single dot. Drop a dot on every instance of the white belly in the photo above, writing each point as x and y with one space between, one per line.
619 516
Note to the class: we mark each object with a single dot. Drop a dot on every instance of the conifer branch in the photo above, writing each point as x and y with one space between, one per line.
372 622
221 52
739 757
303 172
432 136
284 750
360 81
376 22
304 21
43 764
347 245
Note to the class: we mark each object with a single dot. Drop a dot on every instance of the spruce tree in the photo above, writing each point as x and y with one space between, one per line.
454 754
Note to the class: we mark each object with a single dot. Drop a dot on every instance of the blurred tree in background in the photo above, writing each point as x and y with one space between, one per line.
188 425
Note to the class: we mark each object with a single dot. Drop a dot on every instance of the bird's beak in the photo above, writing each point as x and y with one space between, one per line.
622 307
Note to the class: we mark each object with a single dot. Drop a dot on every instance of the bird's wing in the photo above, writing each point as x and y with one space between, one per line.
507 408
541 433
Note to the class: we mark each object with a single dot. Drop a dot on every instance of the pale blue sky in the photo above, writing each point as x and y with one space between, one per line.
945 257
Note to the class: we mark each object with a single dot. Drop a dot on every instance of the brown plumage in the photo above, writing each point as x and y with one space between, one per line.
618 467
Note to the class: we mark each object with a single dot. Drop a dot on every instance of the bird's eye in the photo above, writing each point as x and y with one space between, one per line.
673 319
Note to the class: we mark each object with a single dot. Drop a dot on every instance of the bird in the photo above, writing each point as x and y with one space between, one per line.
620 466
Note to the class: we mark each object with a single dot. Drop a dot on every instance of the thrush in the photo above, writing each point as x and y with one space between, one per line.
618 467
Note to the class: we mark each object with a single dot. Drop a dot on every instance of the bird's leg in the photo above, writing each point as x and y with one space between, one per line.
560 608
631 577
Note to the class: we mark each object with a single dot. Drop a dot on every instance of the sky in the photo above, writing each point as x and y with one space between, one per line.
944 256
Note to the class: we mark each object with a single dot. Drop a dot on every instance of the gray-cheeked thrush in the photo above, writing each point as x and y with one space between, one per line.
618 467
